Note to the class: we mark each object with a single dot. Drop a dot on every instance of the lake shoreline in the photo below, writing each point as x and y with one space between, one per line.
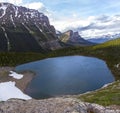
66 75
23 83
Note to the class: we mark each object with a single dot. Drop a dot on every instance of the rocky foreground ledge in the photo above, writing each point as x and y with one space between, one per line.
53 105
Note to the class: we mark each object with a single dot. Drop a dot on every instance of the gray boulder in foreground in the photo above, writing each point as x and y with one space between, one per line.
53 105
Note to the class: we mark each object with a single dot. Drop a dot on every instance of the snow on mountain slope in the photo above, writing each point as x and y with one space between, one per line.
104 38
3 10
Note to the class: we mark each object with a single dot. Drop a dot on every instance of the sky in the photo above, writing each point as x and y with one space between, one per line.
90 17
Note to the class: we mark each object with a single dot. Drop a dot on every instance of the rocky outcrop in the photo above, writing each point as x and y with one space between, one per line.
53 105
23 29
73 38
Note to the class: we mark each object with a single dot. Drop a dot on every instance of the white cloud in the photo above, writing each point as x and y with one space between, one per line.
16 2
2 1
69 24
32 5
74 15
35 5
38 6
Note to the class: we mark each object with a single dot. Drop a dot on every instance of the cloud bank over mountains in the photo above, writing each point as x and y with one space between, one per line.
91 21
93 26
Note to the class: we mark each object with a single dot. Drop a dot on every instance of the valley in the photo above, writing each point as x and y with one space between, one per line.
27 36
103 51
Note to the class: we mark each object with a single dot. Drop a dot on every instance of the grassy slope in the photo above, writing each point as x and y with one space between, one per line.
109 51
110 95
106 96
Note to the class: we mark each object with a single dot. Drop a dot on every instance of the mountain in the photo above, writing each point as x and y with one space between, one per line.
104 38
23 29
74 39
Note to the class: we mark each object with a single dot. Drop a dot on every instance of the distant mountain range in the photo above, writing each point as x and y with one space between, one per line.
104 38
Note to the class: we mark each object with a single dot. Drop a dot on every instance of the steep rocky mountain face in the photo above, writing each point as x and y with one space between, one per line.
73 38
23 29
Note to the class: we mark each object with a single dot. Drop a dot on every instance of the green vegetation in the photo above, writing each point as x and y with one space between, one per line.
107 96
111 43
13 59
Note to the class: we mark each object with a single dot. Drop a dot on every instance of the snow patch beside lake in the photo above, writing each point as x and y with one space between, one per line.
16 75
106 85
8 90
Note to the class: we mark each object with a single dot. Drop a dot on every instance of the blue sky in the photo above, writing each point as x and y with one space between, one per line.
82 8
71 8
95 15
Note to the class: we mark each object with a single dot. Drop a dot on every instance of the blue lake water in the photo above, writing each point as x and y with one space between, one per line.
66 76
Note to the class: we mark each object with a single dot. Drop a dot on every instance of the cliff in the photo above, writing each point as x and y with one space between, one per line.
23 29
74 39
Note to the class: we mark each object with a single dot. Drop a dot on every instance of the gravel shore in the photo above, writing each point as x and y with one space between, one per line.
21 83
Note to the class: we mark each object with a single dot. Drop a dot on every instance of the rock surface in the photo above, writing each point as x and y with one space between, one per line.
53 105
73 38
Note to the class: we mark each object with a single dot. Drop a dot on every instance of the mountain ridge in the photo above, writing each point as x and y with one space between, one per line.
104 38
24 29
73 38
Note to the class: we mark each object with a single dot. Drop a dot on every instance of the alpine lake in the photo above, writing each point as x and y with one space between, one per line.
69 75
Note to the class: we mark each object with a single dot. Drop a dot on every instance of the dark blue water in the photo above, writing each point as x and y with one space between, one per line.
66 75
